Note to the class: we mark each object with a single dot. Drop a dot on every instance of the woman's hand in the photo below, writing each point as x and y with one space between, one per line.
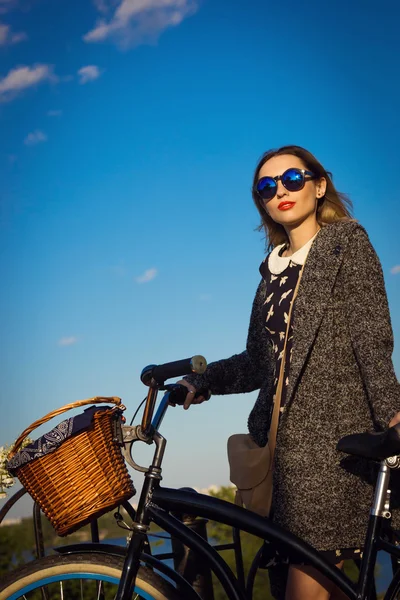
190 398
395 420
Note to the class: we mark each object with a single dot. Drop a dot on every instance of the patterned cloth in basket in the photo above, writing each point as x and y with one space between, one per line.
53 439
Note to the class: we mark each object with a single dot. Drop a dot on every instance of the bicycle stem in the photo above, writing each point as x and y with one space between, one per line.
141 523
149 410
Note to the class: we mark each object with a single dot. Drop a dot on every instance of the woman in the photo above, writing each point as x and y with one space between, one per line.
338 372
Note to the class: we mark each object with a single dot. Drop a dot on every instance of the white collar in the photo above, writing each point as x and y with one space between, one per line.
277 264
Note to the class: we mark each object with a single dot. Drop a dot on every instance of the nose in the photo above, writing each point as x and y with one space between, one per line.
280 189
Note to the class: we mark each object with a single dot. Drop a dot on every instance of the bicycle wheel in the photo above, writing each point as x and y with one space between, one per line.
81 577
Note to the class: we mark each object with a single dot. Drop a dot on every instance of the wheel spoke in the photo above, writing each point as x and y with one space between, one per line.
100 591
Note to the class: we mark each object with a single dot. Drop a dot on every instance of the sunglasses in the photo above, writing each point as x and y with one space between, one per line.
292 179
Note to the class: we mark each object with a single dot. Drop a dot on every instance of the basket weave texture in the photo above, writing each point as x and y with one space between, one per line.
84 478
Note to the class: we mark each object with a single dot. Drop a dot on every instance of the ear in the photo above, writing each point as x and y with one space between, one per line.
321 187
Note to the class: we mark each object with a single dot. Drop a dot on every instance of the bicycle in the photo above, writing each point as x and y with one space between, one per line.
133 572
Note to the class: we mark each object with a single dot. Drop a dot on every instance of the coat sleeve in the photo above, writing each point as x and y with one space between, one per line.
243 372
370 327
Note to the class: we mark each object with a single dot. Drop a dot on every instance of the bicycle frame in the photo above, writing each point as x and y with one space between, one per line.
156 502
224 512
296 549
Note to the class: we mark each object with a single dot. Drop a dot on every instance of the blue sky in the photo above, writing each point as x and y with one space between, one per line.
129 131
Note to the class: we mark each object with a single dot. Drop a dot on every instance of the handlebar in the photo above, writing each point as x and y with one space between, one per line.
155 375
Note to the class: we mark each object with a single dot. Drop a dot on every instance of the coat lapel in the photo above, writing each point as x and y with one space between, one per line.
315 289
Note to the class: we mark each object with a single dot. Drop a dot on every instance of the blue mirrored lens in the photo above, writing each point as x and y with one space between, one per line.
266 187
293 180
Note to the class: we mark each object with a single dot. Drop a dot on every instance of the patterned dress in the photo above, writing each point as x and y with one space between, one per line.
280 289
281 275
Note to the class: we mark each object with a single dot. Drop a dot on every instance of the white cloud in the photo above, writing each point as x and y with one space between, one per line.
54 113
20 36
21 78
101 6
4 29
395 270
67 341
88 73
7 5
7 37
147 276
35 137
138 21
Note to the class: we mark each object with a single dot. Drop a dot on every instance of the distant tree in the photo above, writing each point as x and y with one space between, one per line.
8 550
17 540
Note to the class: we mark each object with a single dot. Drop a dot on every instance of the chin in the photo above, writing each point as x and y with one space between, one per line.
286 219
291 219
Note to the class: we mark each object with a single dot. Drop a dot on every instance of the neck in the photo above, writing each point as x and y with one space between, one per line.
301 234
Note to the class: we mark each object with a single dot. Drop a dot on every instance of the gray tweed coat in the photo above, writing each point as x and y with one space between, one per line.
342 381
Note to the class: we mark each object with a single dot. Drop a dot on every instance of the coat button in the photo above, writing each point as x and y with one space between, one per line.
337 250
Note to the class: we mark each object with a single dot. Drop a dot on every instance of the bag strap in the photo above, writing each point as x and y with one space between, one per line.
273 430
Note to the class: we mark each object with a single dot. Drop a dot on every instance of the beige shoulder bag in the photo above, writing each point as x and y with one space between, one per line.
251 466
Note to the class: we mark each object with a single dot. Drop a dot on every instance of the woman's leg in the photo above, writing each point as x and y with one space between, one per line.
338 595
305 583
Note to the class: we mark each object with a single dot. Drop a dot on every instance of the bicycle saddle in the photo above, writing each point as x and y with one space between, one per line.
376 446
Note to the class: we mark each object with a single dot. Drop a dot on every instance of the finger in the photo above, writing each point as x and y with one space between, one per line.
395 420
198 400
189 398
185 383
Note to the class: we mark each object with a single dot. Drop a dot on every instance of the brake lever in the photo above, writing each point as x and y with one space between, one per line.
130 435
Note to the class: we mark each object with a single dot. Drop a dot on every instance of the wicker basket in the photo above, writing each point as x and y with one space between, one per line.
85 477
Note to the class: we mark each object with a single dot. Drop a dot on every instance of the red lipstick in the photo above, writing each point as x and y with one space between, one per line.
285 205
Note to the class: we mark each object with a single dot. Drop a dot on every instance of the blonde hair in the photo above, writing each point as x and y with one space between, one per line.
333 206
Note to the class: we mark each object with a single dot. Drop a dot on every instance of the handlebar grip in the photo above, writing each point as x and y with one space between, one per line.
177 368
178 393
